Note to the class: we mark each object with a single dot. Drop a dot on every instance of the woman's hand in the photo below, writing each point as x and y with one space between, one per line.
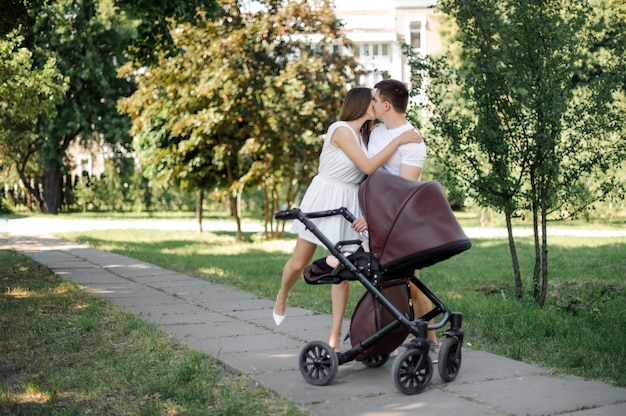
410 136
359 225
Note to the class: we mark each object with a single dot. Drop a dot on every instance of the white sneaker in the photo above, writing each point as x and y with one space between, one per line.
433 352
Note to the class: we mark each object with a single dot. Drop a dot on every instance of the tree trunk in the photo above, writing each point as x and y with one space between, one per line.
235 213
535 215
53 187
268 224
30 192
514 259
541 299
199 208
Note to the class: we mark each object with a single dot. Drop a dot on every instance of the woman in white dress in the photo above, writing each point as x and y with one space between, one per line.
343 166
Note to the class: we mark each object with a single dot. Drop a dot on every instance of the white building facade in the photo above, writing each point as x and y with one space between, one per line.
378 28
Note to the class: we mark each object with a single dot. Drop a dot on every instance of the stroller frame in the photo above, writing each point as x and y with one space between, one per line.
413 369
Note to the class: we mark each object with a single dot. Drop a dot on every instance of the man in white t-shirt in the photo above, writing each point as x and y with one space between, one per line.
391 99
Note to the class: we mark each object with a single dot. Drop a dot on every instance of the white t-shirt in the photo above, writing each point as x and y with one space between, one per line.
411 154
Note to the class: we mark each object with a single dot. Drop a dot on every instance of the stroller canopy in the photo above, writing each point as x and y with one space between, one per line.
411 224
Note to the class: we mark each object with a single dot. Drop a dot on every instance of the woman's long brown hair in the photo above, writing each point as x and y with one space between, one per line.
356 104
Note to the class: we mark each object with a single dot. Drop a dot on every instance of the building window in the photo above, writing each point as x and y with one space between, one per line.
85 165
372 50
370 78
416 34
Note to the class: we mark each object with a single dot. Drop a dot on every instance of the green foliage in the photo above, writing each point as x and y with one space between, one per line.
154 23
527 107
517 94
84 193
85 41
27 93
121 188
245 97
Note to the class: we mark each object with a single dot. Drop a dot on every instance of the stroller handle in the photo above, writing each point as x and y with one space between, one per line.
298 214
290 214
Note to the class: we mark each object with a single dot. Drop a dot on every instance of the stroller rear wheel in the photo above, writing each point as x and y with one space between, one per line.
449 359
318 363
412 371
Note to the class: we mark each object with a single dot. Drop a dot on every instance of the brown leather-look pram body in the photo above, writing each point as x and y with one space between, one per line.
411 226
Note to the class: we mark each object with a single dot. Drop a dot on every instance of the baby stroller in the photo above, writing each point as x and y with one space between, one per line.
411 226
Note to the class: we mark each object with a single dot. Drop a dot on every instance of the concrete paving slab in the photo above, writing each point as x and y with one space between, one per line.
138 298
134 270
481 366
173 311
230 328
609 410
352 380
221 347
259 362
538 395
430 402
217 299
96 277
235 304
111 292
163 320
68 263
165 280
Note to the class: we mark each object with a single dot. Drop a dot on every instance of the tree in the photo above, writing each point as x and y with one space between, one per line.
27 94
244 101
88 49
153 27
520 119
85 40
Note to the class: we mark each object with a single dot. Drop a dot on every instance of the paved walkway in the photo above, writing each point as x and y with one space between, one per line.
237 328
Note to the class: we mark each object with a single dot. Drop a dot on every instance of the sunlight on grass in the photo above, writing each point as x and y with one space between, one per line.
32 394
18 293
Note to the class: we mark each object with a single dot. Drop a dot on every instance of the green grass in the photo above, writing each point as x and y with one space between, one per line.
65 352
580 330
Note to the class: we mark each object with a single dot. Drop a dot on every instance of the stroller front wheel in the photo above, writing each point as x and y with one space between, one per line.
318 363
449 358
412 371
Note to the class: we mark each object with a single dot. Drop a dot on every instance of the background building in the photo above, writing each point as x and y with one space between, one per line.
377 29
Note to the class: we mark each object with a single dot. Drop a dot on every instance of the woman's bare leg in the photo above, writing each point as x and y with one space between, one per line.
340 294
422 306
292 271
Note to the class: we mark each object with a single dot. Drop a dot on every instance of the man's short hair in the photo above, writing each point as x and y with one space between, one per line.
395 92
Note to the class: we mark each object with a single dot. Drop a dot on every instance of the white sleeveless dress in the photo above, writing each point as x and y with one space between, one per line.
336 185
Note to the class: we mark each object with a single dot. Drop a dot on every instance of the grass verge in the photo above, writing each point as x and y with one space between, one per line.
65 352
579 331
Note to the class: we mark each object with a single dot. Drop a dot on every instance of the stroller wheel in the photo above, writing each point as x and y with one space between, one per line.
412 371
449 358
318 363
376 361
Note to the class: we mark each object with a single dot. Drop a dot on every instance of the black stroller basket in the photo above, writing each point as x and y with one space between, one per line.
384 318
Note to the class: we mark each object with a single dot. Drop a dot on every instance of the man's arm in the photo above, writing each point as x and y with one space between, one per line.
410 172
